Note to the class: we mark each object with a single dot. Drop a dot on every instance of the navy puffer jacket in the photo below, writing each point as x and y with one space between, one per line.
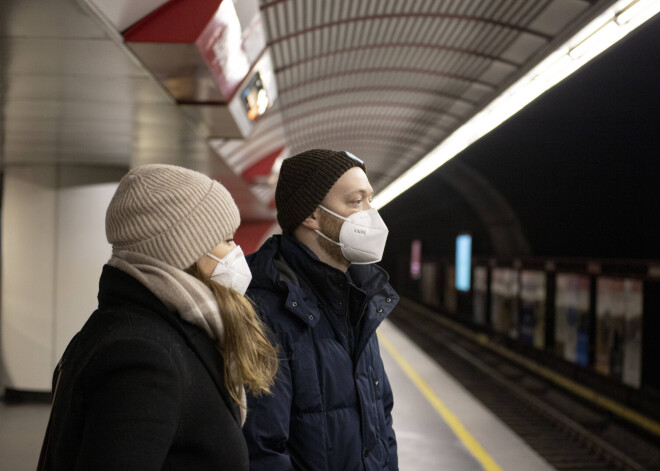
331 404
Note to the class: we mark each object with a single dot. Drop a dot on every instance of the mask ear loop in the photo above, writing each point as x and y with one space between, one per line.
210 255
328 238
332 212
224 259
325 236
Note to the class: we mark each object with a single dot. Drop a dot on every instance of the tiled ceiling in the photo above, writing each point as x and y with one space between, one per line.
386 79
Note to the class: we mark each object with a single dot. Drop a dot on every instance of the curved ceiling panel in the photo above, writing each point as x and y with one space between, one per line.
390 80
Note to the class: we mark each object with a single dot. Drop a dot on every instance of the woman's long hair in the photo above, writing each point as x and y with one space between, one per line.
246 345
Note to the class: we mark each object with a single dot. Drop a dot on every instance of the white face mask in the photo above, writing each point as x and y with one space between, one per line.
232 270
362 236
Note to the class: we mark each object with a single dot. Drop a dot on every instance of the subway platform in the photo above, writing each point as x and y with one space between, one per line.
439 424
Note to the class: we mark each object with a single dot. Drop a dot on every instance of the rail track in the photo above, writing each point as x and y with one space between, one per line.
566 432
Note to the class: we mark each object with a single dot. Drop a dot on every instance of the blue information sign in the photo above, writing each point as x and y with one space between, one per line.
463 255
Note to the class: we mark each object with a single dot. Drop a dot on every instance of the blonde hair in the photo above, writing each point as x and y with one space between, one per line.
246 346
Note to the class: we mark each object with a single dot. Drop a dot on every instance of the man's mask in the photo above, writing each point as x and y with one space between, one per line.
362 236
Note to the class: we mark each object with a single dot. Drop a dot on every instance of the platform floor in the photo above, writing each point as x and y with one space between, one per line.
439 425
22 429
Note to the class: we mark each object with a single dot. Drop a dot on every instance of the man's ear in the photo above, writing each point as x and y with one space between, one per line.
312 221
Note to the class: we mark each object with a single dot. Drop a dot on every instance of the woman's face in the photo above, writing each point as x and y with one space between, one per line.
207 264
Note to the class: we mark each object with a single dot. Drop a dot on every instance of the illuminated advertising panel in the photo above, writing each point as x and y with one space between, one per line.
430 291
463 261
619 329
416 259
531 314
572 318
504 295
480 292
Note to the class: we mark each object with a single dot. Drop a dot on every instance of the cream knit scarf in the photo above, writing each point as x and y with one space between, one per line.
180 292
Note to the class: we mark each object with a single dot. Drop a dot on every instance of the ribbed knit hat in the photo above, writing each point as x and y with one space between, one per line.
171 213
304 181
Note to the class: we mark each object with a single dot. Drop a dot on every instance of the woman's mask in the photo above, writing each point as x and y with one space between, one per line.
362 236
232 270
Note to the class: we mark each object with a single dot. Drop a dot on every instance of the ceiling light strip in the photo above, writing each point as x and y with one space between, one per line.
605 30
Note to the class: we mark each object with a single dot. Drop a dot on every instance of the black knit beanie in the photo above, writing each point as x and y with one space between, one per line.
304 181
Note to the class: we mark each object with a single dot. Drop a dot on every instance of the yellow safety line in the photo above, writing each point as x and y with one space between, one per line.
450 419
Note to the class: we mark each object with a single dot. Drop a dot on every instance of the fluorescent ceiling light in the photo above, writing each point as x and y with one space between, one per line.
601 33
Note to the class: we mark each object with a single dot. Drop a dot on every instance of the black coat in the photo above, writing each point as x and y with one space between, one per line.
331 404
142 389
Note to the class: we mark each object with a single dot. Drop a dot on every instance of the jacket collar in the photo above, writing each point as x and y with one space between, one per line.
285 264
369 278
117 289
325 282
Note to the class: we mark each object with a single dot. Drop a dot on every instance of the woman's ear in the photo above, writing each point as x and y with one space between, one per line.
312 221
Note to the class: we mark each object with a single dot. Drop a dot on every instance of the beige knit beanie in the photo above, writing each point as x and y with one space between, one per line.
171 213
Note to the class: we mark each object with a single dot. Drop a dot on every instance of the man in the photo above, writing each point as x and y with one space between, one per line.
317 288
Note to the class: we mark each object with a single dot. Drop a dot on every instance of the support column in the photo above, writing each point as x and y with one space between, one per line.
53 250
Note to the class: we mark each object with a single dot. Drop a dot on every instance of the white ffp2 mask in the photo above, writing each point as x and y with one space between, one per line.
232 270
362 236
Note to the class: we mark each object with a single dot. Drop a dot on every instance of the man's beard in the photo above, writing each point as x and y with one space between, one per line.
330 226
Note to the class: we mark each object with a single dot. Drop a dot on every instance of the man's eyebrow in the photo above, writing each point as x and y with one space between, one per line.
358 192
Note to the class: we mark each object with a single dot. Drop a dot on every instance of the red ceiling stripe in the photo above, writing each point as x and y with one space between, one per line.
262 167
177 21
250 235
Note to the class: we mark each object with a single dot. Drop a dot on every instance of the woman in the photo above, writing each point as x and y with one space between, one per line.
155 379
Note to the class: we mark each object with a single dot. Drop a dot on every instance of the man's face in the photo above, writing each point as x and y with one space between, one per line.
350 194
